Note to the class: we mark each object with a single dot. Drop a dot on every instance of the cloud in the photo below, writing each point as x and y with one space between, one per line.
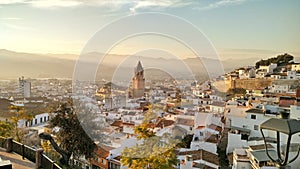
54 3
7 2
135 4
11 18
43 3
157 3
132 5
17 27
220 3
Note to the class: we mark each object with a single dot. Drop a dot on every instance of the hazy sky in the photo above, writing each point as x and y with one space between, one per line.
65 26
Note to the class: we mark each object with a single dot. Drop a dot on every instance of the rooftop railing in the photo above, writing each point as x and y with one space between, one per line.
34 155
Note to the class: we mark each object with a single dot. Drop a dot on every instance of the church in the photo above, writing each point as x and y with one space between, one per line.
138 82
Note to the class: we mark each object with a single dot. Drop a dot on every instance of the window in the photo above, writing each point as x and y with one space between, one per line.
95 167
114 166
104 161
201 134
35 121
255 127
244 136
253 116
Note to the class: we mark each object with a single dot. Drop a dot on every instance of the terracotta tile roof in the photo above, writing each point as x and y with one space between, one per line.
200 127
151 125
286 101
164 123
215 127
186 122
103 151
212 139
128 124
255 110
219 104
117 123
202 166
202 155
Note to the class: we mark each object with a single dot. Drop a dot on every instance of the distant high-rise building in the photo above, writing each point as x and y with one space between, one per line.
138 82
24 87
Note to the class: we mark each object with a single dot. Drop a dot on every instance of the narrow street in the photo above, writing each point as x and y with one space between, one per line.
222 150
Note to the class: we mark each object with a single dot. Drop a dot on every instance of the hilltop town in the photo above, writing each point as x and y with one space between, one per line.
218 120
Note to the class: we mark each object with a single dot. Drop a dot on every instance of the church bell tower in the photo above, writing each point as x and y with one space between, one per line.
138 81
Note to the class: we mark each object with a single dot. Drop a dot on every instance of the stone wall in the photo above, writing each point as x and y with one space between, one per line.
251 84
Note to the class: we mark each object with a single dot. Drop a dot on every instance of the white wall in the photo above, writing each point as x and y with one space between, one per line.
249 123
241 165
235 141
210 147
37 120
295 112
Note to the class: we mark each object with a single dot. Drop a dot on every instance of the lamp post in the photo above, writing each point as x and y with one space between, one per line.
286 126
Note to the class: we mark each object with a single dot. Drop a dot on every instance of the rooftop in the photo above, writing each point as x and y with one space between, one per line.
186 122
260 147
261 156
255 110
202 155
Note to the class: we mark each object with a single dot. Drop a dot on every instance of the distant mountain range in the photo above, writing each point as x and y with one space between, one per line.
16 64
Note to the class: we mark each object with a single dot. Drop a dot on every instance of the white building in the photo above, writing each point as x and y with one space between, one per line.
240 159
193 159
293 75
245 127
246 72
186 122
207 132
37 120
217 107
282 88
268 69
295 67
24 87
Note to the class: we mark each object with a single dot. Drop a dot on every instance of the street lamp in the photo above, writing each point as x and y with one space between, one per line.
286 126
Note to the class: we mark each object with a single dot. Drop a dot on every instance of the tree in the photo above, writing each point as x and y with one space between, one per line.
142 131
49 151
153 152
71 136
186 141
237 91
6 129
19 113
282 59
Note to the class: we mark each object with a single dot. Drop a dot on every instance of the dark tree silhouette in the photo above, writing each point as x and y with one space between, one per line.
282 59
71 137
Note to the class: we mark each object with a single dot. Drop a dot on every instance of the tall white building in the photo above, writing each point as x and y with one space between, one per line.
24 87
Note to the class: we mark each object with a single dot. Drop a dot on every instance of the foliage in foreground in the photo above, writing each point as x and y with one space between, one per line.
153 151
71 136
5 129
